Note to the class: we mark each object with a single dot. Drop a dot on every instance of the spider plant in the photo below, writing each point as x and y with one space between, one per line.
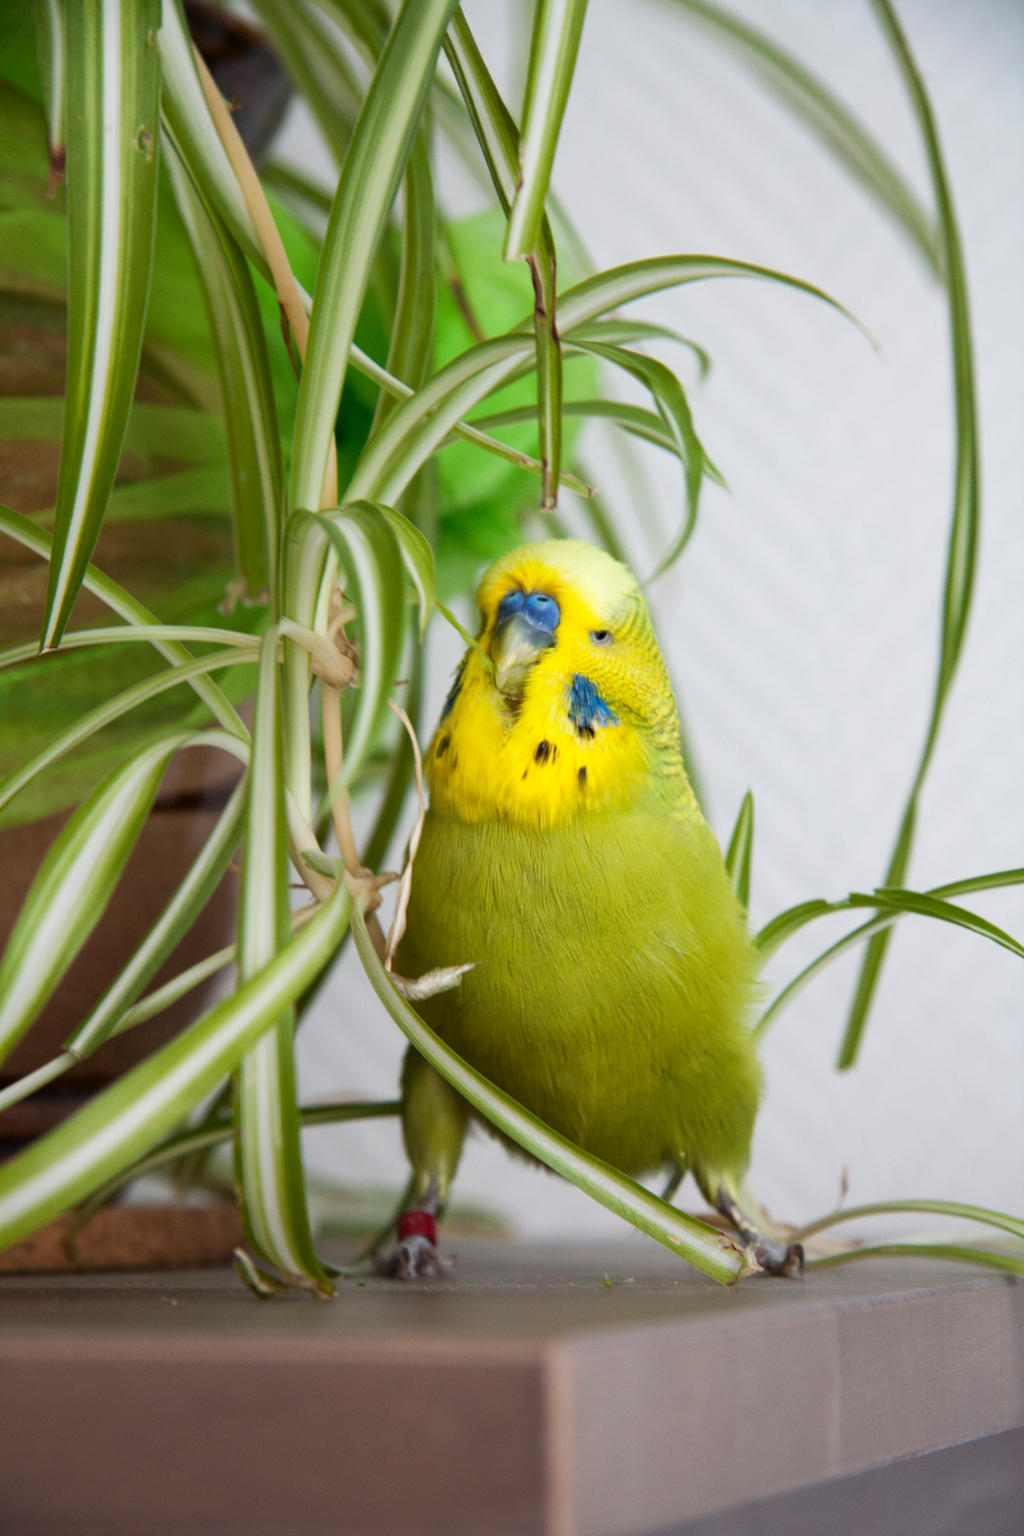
348 528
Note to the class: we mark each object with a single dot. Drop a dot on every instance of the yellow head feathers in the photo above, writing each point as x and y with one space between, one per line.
577 715
586 581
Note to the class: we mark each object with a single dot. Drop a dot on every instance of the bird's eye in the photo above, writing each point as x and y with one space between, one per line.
601 636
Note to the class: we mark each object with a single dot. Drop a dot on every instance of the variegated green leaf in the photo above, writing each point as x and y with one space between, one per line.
785 924
953 1253
189 899
24 1087
188 1143
177 987
122 1123
464 432
499 140
496 131
322 75
741 845
420 501
368 553
250 419
365 22
557 28
188 120
620 331
674 409
204 491
595 296
966 517
195 435
892 905
411 434
74 884
198 145
393 799
410 350
138 634
112 105
374 165
409 437
119 601
302 195
268 1152
417 555
789 922
951 1208
709 1251
820 110
649 426
87 725
51 30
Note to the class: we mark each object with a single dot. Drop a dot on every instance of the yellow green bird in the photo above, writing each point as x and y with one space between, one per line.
565 855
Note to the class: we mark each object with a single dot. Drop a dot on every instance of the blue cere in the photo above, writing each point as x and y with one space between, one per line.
510 604
543 611
587 709
537 608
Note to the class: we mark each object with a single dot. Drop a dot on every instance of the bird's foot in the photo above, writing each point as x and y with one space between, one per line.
418 1259
773 1255
780 1258
415 1256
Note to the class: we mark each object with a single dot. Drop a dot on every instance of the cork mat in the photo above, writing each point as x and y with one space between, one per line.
130 1237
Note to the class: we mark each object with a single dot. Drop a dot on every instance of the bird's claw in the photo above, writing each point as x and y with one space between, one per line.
773 1256
419 1259
416 1258
778 1259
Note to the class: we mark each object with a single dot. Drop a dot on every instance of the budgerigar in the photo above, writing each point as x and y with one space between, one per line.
565 855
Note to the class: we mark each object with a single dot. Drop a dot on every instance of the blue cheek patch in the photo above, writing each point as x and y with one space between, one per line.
588 711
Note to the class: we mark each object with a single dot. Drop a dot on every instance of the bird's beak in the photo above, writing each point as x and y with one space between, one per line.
516 646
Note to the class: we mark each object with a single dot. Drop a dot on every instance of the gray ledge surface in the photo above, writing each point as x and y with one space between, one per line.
529 1395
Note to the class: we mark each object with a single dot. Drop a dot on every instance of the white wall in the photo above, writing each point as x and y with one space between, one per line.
802 623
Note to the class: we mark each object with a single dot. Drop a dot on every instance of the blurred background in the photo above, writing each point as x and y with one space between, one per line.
801 625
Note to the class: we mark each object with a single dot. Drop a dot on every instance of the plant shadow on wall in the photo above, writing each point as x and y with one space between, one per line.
308 475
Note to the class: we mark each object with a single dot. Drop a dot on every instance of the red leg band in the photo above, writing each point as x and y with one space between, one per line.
417 1224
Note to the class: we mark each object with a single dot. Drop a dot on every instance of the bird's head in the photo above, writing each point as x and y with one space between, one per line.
563 610
575 710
